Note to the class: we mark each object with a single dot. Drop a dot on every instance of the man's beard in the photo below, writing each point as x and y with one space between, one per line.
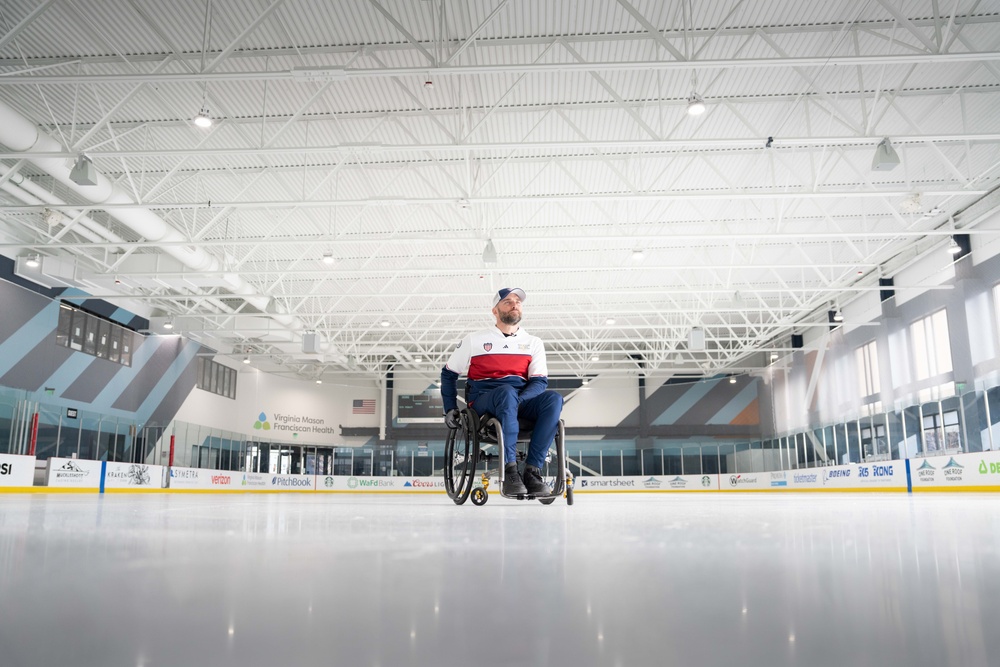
510 318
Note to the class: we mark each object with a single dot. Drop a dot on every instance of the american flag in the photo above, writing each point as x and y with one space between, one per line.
363 406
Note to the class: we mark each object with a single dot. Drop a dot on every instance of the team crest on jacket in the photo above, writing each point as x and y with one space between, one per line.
487 346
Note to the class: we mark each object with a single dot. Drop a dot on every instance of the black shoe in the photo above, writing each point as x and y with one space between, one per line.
534 483
512 484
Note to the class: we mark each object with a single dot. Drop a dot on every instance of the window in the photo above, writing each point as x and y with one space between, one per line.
869 383
79 330
942 432
874 445
216 378
931 345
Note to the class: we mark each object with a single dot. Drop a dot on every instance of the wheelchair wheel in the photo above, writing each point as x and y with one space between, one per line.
479 496
569 495
460 460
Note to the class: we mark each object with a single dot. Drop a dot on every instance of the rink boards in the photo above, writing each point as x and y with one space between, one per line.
974 472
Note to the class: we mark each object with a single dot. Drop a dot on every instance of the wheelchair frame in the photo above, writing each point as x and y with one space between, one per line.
465 447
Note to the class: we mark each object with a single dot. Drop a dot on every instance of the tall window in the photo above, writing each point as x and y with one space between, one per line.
931 347
869 383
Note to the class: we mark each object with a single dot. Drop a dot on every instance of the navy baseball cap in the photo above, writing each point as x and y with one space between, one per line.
507 291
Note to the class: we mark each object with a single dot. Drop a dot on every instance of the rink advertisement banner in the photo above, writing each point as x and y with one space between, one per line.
196 479
16 470
958 472
74 473
292 482
883 476
355 484
804 480
751 481
653 483
133 476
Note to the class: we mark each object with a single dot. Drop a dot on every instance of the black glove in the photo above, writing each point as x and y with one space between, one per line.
452 418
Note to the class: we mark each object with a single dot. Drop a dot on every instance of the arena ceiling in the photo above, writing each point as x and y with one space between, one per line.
366 156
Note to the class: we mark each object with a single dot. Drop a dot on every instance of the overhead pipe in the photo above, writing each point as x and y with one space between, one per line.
40 196
27 198
20 134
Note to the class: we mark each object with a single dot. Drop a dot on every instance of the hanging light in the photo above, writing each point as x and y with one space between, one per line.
203 119
838 316
637 255
954 248
732 379
169 324
32 262
696 105
328 258
489 253
246 360
318 381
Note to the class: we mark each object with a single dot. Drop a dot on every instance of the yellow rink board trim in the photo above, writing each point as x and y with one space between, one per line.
952 489
95 491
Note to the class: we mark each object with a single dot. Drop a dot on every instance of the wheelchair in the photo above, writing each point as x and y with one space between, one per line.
481 439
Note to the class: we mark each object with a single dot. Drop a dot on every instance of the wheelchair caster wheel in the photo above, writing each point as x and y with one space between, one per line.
546 501
479 496
569 495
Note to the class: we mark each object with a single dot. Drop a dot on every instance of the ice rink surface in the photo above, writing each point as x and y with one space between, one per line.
726 579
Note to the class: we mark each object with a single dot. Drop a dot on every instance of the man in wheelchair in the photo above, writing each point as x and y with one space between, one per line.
507 378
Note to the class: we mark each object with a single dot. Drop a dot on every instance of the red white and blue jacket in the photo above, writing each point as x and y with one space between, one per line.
490 358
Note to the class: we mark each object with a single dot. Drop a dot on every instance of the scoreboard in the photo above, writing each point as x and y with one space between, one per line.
419 409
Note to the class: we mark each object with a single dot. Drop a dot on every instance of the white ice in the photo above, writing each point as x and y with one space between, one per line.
733 579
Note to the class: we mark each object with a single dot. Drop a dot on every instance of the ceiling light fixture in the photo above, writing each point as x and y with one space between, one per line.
609 321
489 253
637 255
328 258
32 262
418 359
838 316
385 323
954 248
318 381
696 105
203 119
246 360
595 357
886 158
732 379
169 324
